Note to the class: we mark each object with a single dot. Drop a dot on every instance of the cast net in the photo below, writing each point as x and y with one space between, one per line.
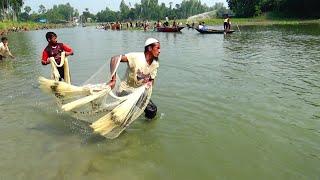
108 110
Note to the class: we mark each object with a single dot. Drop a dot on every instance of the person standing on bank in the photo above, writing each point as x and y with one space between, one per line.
4 49
54 49
142 69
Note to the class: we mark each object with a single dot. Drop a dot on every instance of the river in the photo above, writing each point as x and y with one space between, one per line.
241 106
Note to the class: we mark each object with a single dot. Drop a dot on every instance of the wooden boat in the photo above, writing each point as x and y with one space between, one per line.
213 31
169 29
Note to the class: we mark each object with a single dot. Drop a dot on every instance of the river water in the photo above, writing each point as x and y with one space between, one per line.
242 106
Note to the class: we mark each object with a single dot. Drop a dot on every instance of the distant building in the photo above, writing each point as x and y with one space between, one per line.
43 20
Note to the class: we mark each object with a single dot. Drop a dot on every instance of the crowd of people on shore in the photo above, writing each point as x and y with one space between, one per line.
23 28
145 25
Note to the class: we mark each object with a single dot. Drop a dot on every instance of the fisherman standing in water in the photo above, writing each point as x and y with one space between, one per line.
54 49
227 24
4 49
142 69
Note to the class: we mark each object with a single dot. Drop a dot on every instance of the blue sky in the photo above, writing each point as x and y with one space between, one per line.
98 5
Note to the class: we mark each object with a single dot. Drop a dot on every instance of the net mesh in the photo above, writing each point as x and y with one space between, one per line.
108 112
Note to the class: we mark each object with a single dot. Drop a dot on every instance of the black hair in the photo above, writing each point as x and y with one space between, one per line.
49 35
4 39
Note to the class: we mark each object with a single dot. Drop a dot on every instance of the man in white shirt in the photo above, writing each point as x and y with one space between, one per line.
142 69
4 49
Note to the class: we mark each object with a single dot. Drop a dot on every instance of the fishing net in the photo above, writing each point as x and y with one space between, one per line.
108 111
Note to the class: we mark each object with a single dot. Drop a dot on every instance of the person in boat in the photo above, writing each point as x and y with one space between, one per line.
4 49
142 69
166 23
54 49
202 26
174 24
158 24
227 23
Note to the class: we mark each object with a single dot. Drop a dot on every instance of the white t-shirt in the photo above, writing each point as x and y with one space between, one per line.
139 70
4 51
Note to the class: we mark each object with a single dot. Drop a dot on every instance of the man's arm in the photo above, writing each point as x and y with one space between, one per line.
44 59
67 49
10 54
113 65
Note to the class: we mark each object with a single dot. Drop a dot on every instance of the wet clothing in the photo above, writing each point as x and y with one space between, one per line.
55 51
226 24
139 70
4 51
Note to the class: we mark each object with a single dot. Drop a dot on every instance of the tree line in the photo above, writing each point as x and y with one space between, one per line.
285 8
145 10
10 9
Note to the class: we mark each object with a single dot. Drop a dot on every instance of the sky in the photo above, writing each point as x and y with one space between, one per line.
95 6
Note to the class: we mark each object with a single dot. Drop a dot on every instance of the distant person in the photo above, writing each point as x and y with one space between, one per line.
227 23
4 49
174 24
159 24
202 26
166 23
54 49
146 25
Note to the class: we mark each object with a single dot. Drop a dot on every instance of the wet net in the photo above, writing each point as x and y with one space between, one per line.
108 111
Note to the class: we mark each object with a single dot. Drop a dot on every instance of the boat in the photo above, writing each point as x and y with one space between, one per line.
214 31
169 29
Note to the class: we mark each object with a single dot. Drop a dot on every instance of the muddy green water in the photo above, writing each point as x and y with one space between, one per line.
243 106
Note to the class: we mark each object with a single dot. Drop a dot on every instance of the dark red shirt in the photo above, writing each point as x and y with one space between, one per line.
45 54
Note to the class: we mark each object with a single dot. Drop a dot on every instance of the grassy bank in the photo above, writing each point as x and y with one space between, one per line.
262 21
11 26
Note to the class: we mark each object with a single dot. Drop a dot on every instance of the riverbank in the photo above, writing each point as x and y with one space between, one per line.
264 20
10 26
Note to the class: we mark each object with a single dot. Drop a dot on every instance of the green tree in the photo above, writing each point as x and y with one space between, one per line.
124 10
10 9
42 9
25 15
27 9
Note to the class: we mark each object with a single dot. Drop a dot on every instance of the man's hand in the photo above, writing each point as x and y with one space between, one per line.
149 84
112 83
46 62
69 53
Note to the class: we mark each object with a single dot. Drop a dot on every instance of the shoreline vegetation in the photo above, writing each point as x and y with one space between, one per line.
262 21
10 26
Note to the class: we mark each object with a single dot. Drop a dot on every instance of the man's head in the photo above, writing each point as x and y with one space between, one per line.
51 37
4 39
152 46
